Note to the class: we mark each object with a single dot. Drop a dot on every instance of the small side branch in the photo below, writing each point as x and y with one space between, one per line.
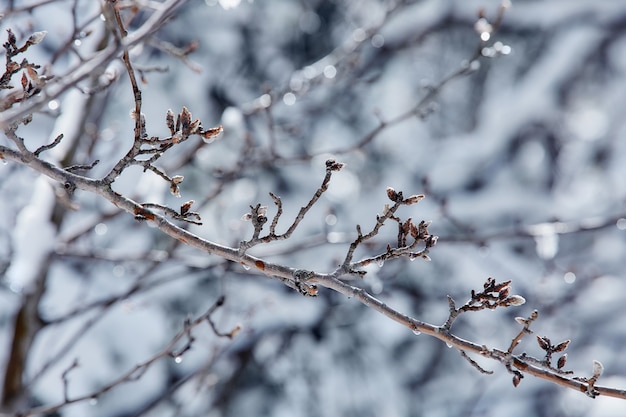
258 213
494 295
183 215
54 143
407 232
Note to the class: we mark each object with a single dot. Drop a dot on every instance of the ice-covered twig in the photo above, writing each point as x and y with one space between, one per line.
258 213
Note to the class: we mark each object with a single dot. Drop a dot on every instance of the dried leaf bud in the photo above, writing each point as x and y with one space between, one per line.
598 368
333 165
415 198
169 121
12 38
561 362
504 293
194 127
212 134
562 346
177 179
517 379
516 300
544 343
36 37
32 73
185 207
392 194
183 121
174 190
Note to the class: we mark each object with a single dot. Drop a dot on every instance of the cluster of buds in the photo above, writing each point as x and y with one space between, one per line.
397 197
495 295
546 345
185 127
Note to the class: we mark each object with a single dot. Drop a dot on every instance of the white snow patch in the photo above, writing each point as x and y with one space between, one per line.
33 237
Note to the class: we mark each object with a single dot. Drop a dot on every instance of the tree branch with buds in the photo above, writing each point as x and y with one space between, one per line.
413 240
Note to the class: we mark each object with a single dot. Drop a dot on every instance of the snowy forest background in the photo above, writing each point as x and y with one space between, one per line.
521 157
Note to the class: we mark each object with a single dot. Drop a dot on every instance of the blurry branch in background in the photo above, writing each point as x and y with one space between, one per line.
173 350
413 239
90 65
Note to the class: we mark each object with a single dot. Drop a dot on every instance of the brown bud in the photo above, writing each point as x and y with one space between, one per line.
415 198
211 134
562 346
544 343
169 121
333 165
185 207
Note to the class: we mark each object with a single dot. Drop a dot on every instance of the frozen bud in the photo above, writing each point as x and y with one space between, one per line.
517 378
385 209
185 117
169 121
562 346
184 209
194 127
262 211
561 362
544 343
426 258
516 300
521 320
177 179
211 134
392 194
598 368
37 37
246 217
415 198
333 165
